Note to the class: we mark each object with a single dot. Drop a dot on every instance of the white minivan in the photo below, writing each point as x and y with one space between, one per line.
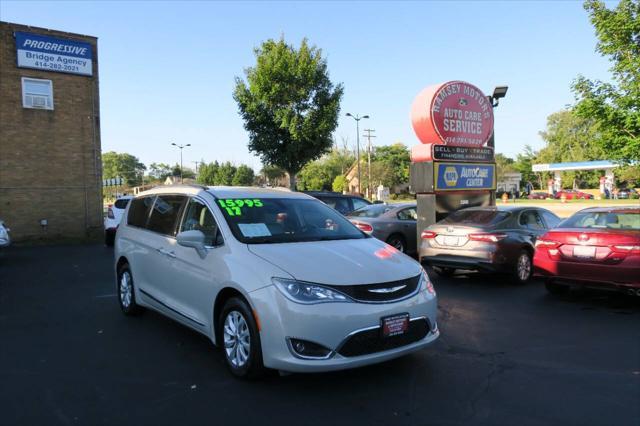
277 279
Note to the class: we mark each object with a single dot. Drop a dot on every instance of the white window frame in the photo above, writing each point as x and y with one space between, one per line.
25 81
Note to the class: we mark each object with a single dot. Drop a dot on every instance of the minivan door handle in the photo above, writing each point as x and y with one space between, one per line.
165 252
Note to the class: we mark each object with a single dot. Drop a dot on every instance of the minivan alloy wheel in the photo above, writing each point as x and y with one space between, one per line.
126 289
237 340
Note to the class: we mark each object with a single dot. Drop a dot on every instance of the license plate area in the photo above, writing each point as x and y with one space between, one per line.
448 240
584 252
394 325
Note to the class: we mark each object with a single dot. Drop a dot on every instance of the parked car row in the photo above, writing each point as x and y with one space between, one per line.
597 246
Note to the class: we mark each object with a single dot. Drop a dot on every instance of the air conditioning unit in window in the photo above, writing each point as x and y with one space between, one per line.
35 101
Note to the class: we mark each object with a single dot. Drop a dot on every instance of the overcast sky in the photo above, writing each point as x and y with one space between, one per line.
167 69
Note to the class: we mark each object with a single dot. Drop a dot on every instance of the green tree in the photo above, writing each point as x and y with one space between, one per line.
159 171
315 176
244 176
225 174
397 159
207 173
523 165
122 165
340 184
289 105
504 165
271 173
569 137
615 106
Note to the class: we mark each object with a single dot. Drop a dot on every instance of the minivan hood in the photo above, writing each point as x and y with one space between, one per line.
340 262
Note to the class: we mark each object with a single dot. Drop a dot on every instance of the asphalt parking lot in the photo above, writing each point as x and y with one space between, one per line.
508 355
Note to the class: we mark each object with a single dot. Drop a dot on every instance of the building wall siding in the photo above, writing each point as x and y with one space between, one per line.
50 165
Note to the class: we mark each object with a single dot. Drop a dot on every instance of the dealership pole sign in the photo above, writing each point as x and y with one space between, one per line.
452 113
53 54
456 177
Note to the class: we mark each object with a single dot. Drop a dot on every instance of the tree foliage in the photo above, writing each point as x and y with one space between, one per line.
570 137
340 184
244 176
225 174
289 105
615 106
122 165
159 171
320 174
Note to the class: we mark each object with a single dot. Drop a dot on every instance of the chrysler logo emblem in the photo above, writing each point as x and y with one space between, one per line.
583 237
386 290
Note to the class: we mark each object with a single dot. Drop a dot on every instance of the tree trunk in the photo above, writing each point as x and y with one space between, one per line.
292 181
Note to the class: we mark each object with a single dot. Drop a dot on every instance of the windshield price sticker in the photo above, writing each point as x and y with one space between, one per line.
234 207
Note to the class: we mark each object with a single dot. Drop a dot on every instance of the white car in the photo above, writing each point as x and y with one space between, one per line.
113 218
5 239
278 279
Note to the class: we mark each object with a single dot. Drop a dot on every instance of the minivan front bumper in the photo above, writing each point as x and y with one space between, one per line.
333 326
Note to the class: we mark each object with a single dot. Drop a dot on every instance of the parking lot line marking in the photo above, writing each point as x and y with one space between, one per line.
105 295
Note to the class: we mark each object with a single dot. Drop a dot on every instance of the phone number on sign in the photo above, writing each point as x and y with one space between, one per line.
58 67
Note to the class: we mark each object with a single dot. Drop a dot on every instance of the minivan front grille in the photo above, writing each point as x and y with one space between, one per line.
381 292
371 341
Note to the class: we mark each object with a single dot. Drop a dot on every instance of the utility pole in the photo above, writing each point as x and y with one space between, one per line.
357 118
368 135
196 163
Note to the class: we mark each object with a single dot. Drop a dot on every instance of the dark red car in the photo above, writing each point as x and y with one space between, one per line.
598 246
571 194
539 196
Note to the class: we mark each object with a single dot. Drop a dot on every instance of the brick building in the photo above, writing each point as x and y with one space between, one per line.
50 165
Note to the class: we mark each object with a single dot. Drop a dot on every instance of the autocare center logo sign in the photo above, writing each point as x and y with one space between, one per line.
53 54
456 176
462 115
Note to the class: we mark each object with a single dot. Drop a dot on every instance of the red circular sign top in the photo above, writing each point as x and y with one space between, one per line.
452 113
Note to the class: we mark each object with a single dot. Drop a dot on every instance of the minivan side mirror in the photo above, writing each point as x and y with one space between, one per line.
194 239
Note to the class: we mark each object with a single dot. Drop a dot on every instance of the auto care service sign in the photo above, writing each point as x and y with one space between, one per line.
53 54
452 113
464 177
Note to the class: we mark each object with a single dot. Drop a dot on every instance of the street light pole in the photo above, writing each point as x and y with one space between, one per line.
181 147
357 118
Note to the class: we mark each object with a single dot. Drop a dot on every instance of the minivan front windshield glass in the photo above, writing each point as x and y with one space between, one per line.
285 220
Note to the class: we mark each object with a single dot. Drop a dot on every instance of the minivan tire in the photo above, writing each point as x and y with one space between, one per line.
125 291
237 311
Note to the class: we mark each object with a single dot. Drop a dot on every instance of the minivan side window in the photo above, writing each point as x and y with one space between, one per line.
198 217
164 216
139 211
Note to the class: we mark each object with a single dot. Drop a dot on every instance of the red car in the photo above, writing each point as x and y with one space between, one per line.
598 247
539 196
570 194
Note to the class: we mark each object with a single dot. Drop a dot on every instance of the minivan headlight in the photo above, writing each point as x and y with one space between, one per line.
426 284
308 293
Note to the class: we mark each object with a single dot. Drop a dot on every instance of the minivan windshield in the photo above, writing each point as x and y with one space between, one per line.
285 220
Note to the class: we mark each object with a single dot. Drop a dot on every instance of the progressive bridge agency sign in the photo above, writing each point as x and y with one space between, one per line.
464 177
53 54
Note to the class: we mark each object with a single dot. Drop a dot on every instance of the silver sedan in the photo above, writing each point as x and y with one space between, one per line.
393 223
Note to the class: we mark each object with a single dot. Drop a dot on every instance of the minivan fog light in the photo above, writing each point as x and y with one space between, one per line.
306 349
307 293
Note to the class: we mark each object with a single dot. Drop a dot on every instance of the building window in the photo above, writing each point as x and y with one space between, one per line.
37 93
